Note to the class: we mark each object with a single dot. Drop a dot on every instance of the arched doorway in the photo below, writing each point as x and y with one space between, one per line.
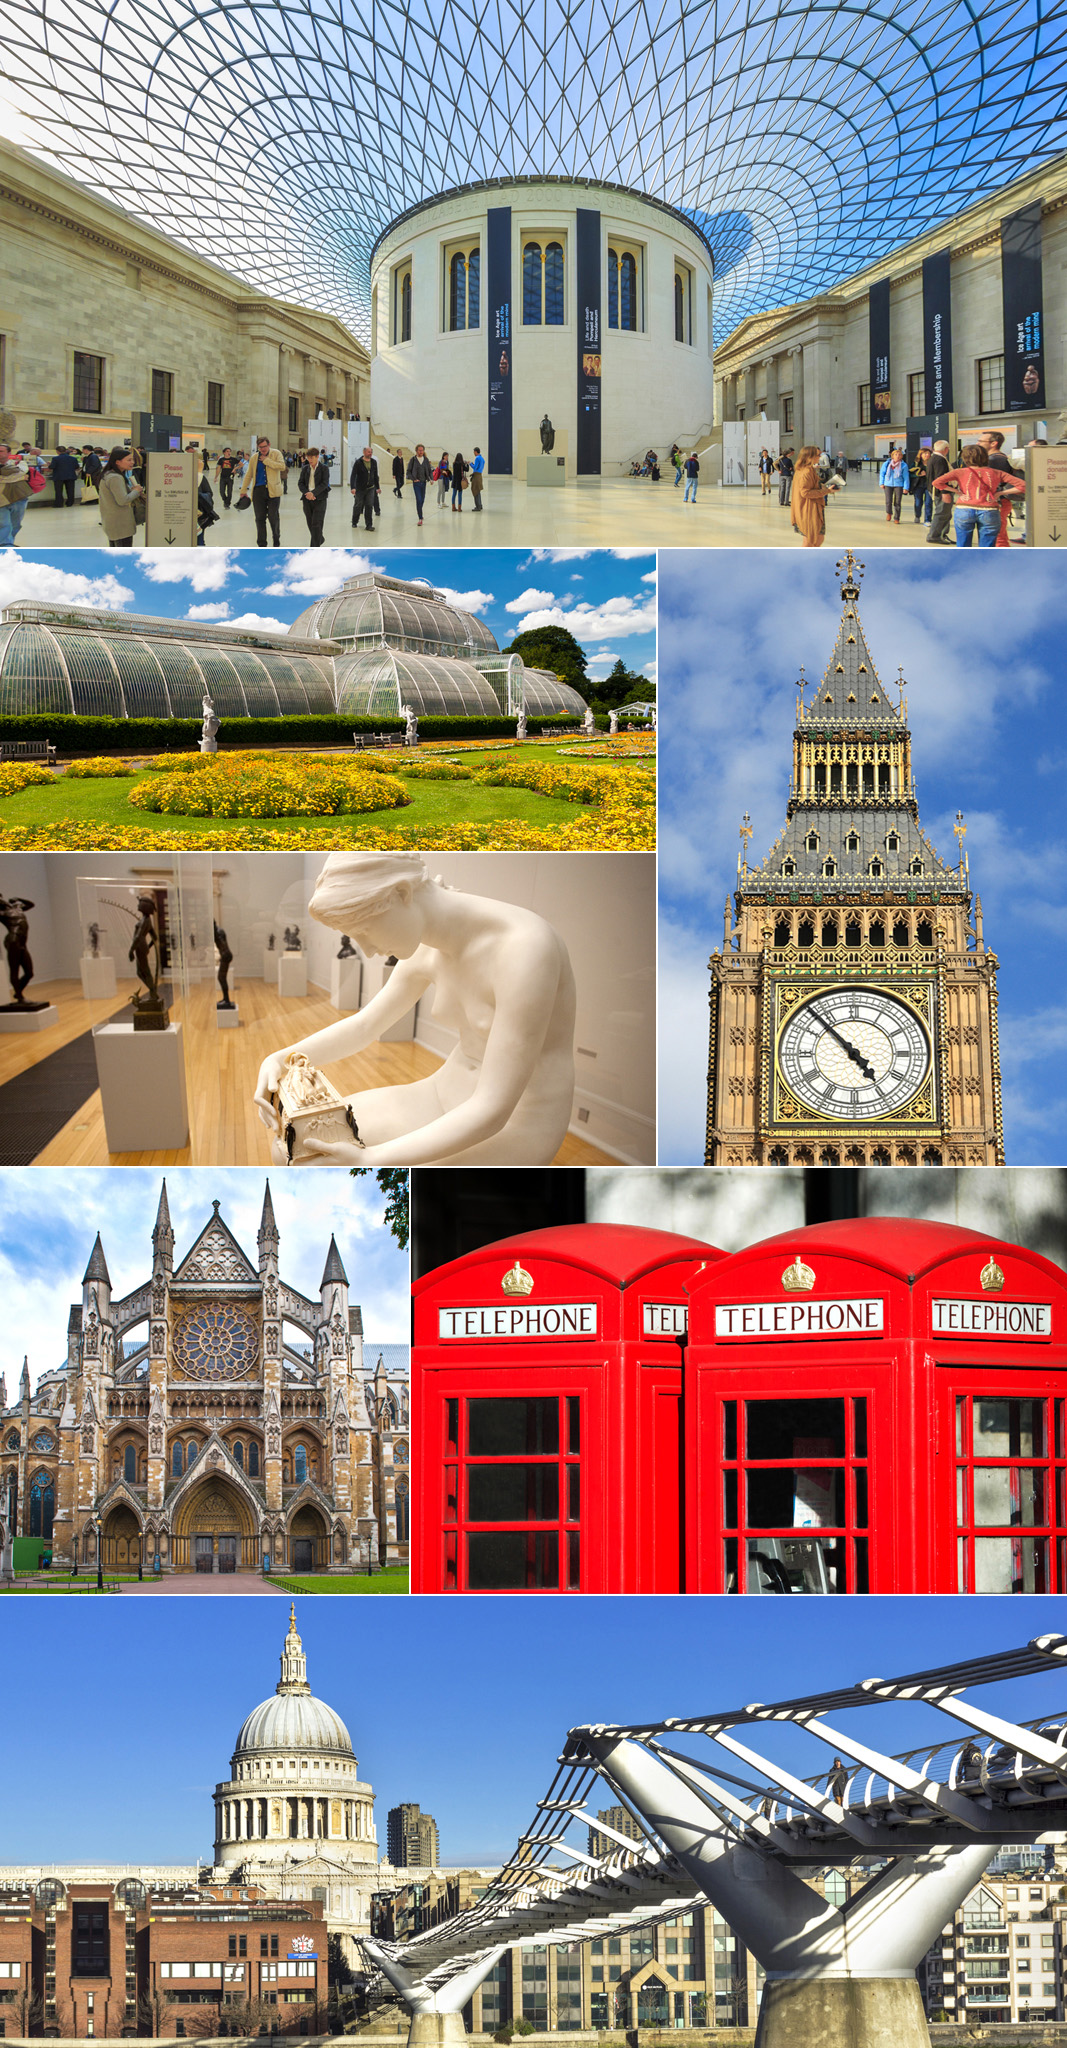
122 1540
214 1530
309 1541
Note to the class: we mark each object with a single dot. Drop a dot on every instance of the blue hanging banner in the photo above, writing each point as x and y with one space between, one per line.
1024 325
498 323
937 331
587 269
881 398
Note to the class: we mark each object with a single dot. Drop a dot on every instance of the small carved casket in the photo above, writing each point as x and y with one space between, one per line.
307 1105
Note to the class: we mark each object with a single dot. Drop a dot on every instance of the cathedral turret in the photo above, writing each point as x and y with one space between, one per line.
24 1383
163 1237
294 1676
3 1393
268 1239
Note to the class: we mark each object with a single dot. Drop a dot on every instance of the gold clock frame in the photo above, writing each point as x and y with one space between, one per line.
782 1112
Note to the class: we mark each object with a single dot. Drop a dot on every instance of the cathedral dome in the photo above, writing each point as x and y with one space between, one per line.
294 1719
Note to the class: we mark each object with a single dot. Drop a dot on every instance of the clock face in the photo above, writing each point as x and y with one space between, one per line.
216 1343
853 1054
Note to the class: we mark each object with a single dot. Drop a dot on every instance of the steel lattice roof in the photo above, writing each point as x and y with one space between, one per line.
806 137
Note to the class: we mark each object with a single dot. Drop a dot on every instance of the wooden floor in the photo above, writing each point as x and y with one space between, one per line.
221 1071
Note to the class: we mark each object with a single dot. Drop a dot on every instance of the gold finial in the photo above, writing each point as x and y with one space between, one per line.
517 1281
991 1276
851 570
745 829
292 1614
798 1278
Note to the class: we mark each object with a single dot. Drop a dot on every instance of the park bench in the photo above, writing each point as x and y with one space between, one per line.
28 750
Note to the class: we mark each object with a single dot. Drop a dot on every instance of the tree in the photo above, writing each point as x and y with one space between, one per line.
393 1181
622 686
552 647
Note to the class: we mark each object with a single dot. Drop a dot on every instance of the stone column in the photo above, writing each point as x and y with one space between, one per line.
282 436
799 431
750 392
770 403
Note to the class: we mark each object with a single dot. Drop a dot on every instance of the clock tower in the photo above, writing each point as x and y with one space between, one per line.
853 1004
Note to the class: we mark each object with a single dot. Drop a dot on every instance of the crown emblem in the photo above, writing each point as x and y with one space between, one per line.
517 1280
992 1277
798 1278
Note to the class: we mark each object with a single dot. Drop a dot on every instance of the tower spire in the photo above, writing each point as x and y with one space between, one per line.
162 1234
294 1678
268 1239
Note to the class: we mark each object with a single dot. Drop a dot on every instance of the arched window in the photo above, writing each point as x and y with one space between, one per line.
239 1455
405 306
42 1505
13 1440
403 1520
190 1454
300 1464
531 285
474 295
554 285
679 307
129 1463
628 292
852 844
253 1461
613 289
176 1464
457 292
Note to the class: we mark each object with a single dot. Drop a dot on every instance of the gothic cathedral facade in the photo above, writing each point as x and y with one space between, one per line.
215 1419
854 1003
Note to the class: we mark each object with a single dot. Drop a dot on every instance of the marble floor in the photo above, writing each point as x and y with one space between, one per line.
601 512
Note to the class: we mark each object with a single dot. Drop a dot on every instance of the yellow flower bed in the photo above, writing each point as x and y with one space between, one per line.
577 785
100 765
235 786
16 775
617 828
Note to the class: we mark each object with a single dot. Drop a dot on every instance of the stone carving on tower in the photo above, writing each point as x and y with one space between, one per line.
214 1419
853 1003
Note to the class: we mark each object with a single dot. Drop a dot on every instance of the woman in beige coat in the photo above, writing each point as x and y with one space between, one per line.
118 495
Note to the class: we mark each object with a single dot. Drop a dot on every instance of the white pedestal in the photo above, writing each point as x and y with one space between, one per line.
270 965
292 974
546 470
98 975
346 980
29 1020
375 976
228 1020
142 1086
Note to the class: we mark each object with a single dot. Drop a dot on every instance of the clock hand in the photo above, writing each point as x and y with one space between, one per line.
845 1046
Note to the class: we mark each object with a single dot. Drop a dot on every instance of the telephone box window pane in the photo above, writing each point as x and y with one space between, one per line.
784 1429
729 1429
859 1426
1004 1497
1010 1564
513 1493
497 1429
963 1441
796 1499
574 1493
574 1425
1009 1429
729 1511
452 1426
861 1496
863 1582
574 1561
450 1563
451 1492
507 1560
1058 1405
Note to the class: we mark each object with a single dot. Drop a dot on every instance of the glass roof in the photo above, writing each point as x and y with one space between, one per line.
373 608
279 138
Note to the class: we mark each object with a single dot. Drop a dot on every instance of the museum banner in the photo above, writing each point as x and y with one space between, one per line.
498 322
937 331
1024 337
587 251
881 398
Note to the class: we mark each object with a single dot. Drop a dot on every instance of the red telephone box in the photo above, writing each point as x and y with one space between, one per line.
547 1434
871 1406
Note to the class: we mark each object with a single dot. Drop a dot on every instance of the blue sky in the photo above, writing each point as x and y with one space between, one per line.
605 596
981 640
49 1218
459 1704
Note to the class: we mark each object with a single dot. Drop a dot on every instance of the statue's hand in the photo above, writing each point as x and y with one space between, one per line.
268 1082
345 1152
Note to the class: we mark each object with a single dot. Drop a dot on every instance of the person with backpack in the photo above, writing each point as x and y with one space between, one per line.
91 471
785 475
15 494
225 473
692 476
459 477
420 473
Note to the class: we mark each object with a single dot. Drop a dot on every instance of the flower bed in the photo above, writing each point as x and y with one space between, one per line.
277 787
16 775
100 765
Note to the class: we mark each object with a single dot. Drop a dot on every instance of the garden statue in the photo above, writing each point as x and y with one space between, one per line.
149 1009
548 436
520 723
503 982
209 736
613 724
411 730
223 960
19 965
589 723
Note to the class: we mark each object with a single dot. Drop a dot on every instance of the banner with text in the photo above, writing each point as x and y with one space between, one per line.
937 331
587 265
1024 326
881 399
498 323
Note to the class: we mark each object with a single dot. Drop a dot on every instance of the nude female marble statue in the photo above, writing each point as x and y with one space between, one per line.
502 981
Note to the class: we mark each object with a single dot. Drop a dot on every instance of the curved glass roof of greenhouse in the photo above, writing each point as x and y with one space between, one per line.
805 138
378 682
373 607
111 672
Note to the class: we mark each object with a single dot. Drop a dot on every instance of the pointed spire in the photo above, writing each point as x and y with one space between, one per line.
3 1393
24 1383
333 1270
268 1229
294 1678
97 1267
162 1234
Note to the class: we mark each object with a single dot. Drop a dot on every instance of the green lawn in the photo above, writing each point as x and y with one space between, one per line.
433 804
393 1580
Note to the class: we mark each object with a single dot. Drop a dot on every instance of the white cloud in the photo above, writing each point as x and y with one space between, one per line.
465 600
204 568
651 576
23 577
260 619
650 670
615 619
530 599
318 572
582 554
219 610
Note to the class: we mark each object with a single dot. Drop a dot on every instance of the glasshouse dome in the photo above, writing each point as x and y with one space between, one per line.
380 681
373 609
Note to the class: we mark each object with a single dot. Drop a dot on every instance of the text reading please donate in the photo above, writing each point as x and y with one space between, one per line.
547 1319
798 1318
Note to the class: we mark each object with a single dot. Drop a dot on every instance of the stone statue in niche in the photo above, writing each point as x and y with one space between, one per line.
149 1009
346 950
223 963
503 982
548 436
293 942
209 743
16 945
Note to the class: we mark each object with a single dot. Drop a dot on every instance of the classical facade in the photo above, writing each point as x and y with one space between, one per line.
215 1419
104 317
853 1004
513 298
808 365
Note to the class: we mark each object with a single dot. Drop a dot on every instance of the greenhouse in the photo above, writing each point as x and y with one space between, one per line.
373 648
